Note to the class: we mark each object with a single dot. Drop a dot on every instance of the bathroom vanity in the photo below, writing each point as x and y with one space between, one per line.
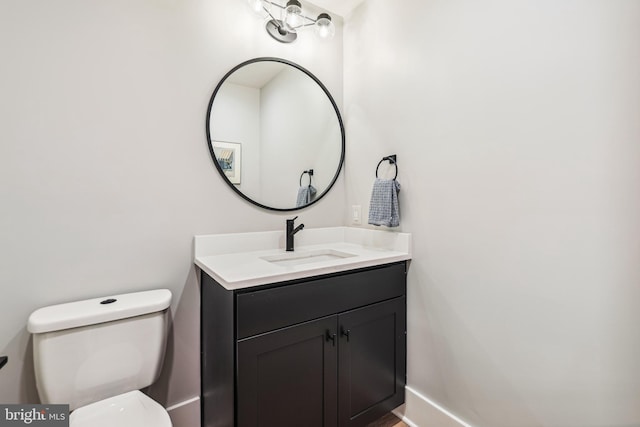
304 338
316 337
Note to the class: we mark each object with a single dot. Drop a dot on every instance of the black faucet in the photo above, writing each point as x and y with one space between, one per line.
291 231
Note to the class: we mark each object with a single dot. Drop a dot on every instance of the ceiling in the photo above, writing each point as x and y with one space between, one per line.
339 7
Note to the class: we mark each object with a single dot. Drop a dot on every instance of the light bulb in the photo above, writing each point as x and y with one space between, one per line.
324 26
293 16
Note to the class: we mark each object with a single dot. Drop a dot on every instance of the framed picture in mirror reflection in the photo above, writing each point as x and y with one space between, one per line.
229 158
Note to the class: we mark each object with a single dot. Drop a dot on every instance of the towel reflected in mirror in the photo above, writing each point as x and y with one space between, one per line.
306 195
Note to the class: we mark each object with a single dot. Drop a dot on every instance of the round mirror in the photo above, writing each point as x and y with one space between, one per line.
275 134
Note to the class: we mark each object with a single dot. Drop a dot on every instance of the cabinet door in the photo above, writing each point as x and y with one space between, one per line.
288 377
371 362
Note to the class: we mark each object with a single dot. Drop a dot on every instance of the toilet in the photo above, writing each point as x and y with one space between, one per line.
96 355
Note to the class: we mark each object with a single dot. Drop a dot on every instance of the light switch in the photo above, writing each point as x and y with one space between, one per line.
356 214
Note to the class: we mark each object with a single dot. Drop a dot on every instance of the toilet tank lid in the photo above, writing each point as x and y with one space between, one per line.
97 310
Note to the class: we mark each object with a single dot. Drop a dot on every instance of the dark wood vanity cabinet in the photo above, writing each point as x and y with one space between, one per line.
286 376
325 351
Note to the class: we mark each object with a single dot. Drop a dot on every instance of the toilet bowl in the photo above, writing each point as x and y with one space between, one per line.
95 355
132 409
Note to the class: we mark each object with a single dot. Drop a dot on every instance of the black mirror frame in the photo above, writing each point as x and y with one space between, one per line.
213 156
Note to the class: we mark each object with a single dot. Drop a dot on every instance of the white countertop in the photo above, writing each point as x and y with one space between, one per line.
236 261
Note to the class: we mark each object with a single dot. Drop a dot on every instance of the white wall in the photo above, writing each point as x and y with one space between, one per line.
302 109
518 140
236 115
105 174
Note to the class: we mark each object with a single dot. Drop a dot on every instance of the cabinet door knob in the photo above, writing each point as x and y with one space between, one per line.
328 336
345 333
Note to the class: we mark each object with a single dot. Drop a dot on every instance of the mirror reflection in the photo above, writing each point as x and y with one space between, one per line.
275 134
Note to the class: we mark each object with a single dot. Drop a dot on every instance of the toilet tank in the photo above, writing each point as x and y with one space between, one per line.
90 350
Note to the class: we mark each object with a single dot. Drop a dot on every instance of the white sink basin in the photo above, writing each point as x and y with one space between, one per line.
306 257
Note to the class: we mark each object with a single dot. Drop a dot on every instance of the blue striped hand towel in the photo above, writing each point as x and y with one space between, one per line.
384 208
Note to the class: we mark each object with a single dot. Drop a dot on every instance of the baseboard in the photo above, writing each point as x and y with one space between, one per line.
186 413
420 411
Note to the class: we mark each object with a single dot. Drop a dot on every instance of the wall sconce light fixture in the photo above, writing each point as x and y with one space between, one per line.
292 20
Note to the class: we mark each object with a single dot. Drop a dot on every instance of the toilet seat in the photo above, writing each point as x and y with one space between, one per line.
132 409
